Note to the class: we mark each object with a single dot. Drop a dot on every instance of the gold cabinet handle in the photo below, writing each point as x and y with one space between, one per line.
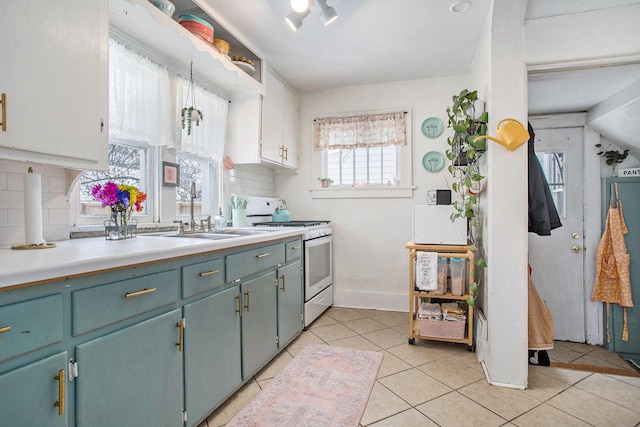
282 280
138 293
5 329
209 273
262 255
60 403
248 306
239 310
3 101
295 248
286 154
180 326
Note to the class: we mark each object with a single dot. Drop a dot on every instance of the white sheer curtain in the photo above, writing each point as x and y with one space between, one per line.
145 102
206 139
360 131
139 98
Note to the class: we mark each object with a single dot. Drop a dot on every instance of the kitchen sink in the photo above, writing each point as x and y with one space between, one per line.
211 235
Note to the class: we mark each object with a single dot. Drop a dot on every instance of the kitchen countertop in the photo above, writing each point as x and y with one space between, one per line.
81 256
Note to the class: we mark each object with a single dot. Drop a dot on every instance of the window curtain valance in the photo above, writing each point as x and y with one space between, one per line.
145 102
367 130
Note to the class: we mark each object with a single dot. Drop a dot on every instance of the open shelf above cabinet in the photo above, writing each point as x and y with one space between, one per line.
142 23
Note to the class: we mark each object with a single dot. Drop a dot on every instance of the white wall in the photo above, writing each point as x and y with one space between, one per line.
370 259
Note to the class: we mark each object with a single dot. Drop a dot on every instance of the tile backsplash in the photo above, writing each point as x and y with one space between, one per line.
55 204
255 180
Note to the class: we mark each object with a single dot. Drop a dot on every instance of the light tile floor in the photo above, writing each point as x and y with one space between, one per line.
441 384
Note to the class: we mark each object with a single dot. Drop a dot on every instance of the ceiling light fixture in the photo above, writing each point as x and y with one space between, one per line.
299 5
301 10
327 13
294 19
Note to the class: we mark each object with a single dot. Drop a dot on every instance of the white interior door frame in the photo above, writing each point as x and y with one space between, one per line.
591 212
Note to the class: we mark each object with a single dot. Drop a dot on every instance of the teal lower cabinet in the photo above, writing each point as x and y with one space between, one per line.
132 377
259 323
290 302
158 344
31 396
212 352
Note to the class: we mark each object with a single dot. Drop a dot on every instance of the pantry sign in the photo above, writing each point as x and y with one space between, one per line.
629 172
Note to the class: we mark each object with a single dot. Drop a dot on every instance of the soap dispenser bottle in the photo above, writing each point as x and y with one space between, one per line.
219 221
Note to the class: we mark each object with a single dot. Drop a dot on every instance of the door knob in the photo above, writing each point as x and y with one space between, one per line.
576 249
575 235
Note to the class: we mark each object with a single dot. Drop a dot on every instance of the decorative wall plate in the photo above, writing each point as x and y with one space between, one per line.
432 127
433 161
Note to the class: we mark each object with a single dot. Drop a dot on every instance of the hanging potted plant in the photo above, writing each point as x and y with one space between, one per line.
612 157
465 153
190 113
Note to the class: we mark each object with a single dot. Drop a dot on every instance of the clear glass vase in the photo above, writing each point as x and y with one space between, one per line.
119 226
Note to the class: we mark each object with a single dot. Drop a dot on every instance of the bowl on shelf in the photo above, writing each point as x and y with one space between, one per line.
164 5
222 45
200 30
194 18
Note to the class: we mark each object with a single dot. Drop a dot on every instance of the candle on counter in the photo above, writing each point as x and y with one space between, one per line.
33 209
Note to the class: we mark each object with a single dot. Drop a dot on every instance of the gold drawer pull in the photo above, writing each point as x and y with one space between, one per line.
180 326
209 273
5 329
248 306
3 117
262 255
138 293
239 310
295 248
60 403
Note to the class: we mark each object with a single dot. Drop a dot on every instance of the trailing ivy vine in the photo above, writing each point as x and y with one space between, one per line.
464 154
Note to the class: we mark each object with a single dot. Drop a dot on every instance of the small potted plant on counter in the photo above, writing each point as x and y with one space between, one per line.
325 182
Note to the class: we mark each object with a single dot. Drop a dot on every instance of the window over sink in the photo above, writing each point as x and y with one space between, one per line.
145 103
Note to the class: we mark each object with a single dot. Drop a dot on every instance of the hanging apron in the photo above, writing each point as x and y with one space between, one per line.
612 284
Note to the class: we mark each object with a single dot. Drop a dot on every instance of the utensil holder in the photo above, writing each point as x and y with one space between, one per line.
239 218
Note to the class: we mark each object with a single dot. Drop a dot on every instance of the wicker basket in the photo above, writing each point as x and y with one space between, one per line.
442 329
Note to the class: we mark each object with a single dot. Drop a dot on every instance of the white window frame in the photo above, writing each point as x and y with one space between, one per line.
151 204
215 185
403 186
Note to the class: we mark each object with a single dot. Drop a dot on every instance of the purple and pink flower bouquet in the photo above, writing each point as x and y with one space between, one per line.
120 198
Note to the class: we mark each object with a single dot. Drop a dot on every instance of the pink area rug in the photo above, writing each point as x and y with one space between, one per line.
322 386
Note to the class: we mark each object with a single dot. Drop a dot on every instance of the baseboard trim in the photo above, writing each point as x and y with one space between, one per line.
596 369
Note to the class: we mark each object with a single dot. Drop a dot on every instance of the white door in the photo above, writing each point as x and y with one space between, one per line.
557 260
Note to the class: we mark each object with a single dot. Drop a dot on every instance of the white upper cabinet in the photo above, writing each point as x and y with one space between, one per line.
54 75
264 130
279 123
272 119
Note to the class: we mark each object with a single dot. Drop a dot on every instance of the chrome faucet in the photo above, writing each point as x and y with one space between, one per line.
192 221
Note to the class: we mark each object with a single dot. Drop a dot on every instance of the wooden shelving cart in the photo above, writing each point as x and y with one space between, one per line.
444 251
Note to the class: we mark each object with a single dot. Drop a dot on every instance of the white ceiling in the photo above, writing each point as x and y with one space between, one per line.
375 41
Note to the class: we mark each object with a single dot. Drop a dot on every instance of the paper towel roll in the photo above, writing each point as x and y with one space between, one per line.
33 209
